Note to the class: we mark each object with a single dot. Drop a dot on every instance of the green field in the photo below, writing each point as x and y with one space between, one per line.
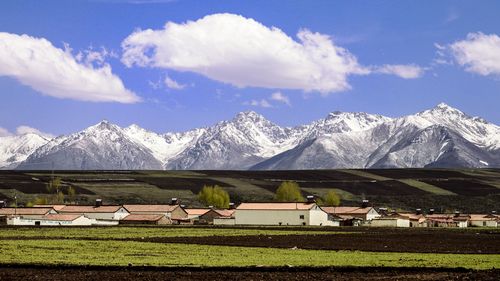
106 247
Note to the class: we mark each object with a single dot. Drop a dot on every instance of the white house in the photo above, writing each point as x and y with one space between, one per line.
364 213
484 220
51 220
392 221
282 214
96 212
174 211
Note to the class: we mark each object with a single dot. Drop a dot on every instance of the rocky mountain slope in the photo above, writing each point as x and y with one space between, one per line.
439 137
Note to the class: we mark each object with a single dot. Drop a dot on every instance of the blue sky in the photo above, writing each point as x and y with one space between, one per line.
386 57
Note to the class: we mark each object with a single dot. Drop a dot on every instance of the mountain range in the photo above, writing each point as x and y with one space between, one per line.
439 137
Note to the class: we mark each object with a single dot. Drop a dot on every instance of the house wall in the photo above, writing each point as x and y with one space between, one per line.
271 217
177 213
224 221
388 222
81 221
372 214
319 217
484 223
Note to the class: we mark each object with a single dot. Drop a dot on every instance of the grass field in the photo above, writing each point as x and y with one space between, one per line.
106 247
470 190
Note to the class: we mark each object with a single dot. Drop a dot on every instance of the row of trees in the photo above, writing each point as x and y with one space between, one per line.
288 191
55 194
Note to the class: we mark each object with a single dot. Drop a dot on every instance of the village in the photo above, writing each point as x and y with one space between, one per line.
307 213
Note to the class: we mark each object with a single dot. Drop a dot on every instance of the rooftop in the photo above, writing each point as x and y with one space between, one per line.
89 209
150 208
25 211
138 217
275 206
347 210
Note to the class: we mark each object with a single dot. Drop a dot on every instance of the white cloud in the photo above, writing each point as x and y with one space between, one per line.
4 132
55 72
279 97
405 71
243 52
478 53
22 130
172 84
259 103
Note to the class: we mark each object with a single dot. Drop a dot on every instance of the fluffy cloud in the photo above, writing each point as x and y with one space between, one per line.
478 53
55 72
279 97
243 52
22 130
405 71
4 132
172 84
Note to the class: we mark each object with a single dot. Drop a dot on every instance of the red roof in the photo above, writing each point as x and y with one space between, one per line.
276 206
55 207
25 211
151 208
89 209
347 210
226 212
197 212
138 217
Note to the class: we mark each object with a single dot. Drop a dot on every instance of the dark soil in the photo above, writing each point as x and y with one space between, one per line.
284 175
418 173
467 242
465 187
193 184
278 273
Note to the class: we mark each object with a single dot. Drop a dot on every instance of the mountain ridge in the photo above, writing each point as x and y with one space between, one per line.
250 141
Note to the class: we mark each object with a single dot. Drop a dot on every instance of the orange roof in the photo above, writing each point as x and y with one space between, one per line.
412 216
226 212
275 206
151 208
347 210
137 217
60 217
483 217
25 211
55 207
197 212
89 209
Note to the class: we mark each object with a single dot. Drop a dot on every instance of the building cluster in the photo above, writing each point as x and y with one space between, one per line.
271 214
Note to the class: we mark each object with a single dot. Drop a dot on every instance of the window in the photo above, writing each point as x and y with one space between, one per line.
301 217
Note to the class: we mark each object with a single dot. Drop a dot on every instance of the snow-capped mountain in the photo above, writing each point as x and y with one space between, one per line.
15 149
236 144
102 146
439 137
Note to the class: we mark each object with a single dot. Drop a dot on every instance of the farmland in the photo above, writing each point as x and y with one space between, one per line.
213 252
469 190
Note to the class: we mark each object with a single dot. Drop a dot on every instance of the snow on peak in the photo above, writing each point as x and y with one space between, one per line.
341 122
474 129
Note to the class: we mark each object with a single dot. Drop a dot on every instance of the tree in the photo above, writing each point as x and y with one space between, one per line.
41 201
331 199
214 196
53 185
71 193
60 197
289 191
